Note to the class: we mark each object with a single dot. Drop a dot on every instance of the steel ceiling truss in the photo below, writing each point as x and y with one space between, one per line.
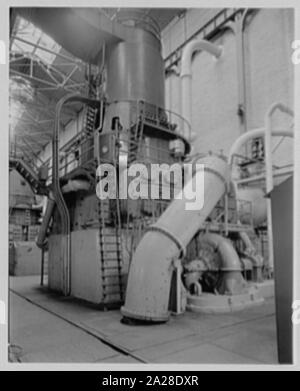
46 82
54 78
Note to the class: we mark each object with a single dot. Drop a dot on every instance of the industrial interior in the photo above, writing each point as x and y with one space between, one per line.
146 280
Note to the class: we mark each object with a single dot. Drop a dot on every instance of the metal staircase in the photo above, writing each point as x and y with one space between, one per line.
110 241
136 131
111 257
28 173
90 119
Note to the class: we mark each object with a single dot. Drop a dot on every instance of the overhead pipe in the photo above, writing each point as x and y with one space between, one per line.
152 266
251 134
232 281
267 132
262 177
174 70
186 74
252 194
269 169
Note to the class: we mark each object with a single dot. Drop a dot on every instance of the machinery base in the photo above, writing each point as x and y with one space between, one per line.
208 303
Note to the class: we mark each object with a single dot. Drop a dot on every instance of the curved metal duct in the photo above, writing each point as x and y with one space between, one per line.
232 281
149 280
186 73
80 31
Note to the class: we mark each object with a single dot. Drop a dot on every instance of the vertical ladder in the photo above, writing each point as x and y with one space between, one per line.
136 133
90 119
87 138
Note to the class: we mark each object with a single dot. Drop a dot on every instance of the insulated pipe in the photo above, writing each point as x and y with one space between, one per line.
149 279
269 169
232 281
259 209
40 242
186 74
229 257
259 132
265 132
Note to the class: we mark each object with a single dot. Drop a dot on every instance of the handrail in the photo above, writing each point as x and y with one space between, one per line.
160 116
144 22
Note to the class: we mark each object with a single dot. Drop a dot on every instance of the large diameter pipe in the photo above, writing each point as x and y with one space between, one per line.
186 75
232 281
149 280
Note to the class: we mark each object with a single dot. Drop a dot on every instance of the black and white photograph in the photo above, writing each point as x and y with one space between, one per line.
151 166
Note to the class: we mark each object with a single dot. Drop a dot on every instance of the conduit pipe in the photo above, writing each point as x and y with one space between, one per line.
262 177
186 75
239 27
269 169
149 279
232 281
58 196
256 196
267 132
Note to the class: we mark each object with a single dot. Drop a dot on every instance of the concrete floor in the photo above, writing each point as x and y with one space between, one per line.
50 328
